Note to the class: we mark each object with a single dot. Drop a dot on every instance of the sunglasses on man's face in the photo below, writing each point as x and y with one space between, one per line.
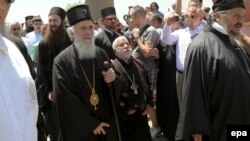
10 1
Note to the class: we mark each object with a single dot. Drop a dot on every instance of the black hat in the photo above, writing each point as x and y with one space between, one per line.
78 13
58 11
37 18
30 17
108 11
220 5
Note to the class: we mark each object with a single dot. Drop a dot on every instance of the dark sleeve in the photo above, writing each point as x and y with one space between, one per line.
197 81
43 84
76 120
118 86
21 46
98 41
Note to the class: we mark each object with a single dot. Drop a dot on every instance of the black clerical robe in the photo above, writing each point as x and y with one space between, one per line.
47 53
104 40
216 88
23 49
133 127
78 118
167 107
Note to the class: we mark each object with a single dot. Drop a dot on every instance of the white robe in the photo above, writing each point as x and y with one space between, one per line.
18 100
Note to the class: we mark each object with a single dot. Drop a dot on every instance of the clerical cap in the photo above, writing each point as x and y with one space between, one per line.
30 17
221 5
108 11
58 11
78 13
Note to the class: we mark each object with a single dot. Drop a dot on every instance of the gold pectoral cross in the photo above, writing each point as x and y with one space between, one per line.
94 99
134 87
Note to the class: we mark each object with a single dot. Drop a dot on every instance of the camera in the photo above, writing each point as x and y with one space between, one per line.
179 18
126 17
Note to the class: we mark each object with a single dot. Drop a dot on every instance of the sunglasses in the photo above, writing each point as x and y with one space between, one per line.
10 1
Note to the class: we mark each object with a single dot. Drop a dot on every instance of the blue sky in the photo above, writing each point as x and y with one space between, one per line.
22 8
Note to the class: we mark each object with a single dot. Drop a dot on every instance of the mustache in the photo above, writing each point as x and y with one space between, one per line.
238 25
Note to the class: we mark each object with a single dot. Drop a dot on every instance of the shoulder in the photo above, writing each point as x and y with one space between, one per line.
138 63
65 56
100 34
101 52
205 42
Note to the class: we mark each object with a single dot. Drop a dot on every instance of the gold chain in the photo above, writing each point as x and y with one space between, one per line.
94 99
93 86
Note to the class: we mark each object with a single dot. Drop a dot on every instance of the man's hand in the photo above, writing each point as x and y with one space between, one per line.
50 96
171 19
131 111
146 111
135 33
100 129
109 75
197 137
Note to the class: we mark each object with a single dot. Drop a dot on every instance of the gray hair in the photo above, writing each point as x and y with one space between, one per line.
137 9
115 43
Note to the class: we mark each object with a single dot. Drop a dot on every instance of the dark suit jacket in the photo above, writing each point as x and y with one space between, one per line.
104 40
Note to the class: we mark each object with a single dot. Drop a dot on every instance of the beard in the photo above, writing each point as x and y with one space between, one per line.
125 55
85 51
3 30
235 37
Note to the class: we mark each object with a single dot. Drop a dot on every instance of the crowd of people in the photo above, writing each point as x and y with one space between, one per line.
188 73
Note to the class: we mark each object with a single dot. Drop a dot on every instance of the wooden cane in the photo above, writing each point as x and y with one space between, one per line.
106 67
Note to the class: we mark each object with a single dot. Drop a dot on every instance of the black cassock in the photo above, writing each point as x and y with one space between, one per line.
104 40
133 127
47 52
77 116
216 88
23 49
167 107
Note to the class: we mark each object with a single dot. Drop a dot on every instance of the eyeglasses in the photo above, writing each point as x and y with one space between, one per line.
111 19
10 1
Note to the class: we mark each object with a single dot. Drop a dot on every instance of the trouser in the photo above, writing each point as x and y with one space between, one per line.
179 80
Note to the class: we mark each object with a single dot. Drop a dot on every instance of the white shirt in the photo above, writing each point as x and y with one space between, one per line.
18 100
32 38
182 38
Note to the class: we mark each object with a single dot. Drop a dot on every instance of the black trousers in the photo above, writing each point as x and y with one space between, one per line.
136 128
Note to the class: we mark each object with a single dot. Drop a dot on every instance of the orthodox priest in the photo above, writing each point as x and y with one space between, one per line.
132 93
81 94
105 38
55 40
216 86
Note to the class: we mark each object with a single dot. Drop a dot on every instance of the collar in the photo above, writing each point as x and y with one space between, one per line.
109 31
218 27
198 28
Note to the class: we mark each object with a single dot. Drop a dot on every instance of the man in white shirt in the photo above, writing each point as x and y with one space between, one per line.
35 36
18 101
182 38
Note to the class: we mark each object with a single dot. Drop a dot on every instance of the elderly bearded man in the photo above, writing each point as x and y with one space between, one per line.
81 94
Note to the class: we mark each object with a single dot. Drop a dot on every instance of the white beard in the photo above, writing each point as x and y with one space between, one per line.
235 38
125 55
85 51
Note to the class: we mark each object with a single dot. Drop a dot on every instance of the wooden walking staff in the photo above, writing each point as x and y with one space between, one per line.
106 67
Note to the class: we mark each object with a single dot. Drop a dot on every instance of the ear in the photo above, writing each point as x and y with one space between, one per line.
217 17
